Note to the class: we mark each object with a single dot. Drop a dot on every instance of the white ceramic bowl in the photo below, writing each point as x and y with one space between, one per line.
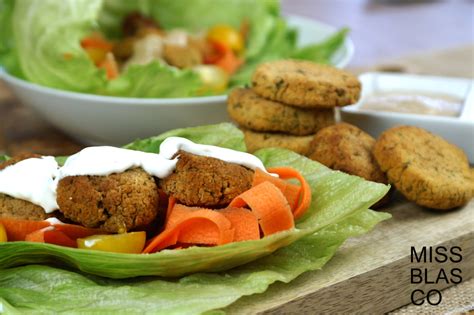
458 130
94 119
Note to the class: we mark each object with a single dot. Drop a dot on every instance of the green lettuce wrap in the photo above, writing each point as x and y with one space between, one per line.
339 210
45 46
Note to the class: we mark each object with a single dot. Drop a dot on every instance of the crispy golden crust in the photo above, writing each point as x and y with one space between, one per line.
115 203
206 182
254 112
20 209
424 167
259 140
346 148
305 84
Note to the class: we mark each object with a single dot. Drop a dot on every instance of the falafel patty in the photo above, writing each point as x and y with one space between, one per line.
347 148
206 182
424 167
115 203
21 209
251 111
17 208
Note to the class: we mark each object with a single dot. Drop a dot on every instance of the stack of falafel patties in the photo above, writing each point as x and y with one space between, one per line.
289 101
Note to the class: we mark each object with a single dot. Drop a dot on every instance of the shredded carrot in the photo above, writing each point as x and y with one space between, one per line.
110 66
212 228
305 195
163 240
18 229
194 226
50 235
290 191
229 62
96 41
223 57
269 205
171 204
244 222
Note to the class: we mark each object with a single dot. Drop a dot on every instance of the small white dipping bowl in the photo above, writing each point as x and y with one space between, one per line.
95 119
457 130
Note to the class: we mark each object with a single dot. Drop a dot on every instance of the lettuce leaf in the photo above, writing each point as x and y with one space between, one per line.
44 289
154 79
47 36
223 135
8 57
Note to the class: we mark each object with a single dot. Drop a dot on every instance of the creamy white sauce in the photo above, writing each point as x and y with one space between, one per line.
32 180
36 179
171 145
106 160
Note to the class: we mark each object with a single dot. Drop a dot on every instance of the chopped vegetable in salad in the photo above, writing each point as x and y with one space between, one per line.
214 54
149 48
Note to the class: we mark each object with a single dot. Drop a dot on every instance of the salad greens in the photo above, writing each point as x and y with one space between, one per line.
339 210
45 46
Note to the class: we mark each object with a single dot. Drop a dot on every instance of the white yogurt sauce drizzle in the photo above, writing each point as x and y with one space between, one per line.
106 160
171 145
32 180
36 179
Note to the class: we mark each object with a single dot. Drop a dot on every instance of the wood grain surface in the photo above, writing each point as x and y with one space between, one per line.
371 274
22 130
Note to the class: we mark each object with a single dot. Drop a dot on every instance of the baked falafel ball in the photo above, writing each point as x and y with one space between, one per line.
21 209
347 148
206 182
18 208
115 203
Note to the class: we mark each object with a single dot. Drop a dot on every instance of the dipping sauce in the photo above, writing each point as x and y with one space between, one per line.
414 103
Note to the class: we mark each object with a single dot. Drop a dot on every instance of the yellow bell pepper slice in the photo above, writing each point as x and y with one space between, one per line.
228 36
3 234
131 243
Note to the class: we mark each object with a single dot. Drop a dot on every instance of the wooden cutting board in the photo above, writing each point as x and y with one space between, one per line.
371 274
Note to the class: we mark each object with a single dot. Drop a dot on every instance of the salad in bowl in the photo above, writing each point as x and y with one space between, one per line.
149 49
